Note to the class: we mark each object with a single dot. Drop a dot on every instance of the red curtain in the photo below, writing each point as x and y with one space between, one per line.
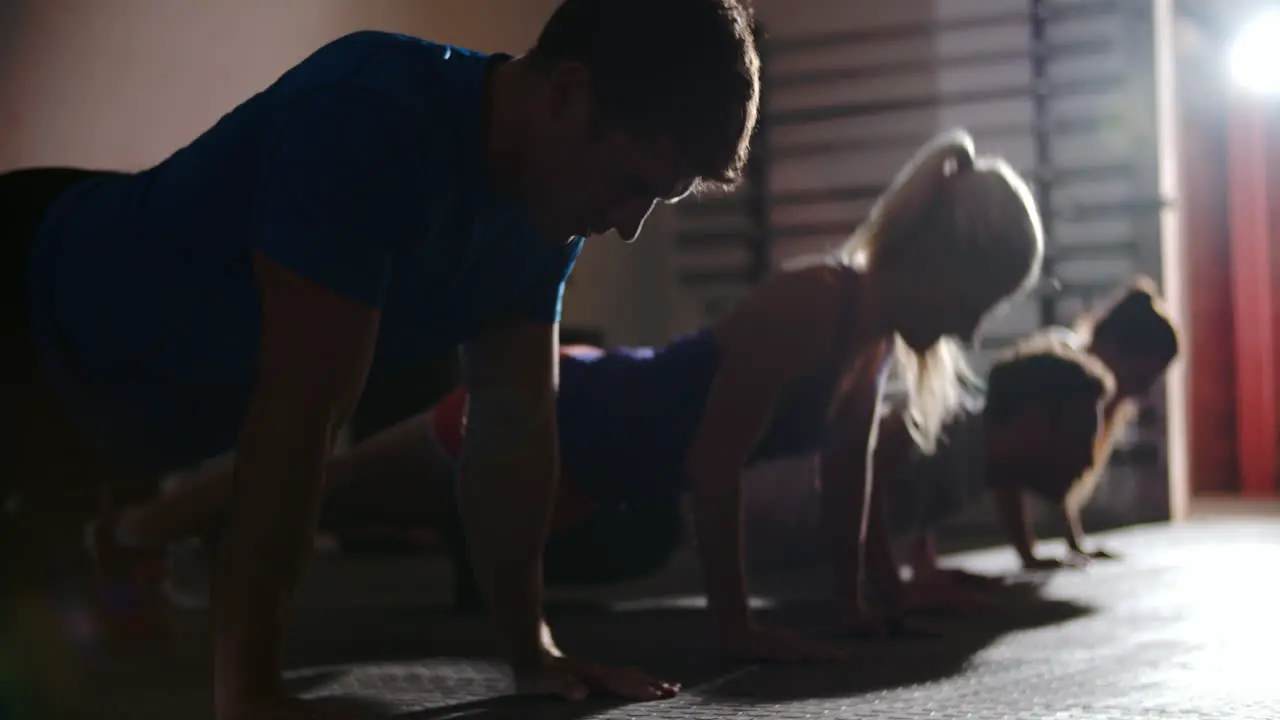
1251 187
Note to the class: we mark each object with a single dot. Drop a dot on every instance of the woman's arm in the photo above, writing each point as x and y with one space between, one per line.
1016 521
1015 516
763 348
859 455
1076 535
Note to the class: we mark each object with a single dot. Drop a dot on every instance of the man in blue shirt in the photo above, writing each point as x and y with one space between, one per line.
383 201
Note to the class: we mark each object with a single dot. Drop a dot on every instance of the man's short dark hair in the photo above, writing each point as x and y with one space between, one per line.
685 68
1137 323
1047 374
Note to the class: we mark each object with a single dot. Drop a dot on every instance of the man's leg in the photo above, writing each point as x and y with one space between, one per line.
398 475
402 477
50 478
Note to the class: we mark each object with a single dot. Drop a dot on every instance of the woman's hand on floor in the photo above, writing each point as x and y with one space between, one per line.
976 581
753 644
1095 554
575 679
870 624
943 595
1071 561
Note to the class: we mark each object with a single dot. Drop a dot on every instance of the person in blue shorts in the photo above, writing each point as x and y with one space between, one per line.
793 369
383 201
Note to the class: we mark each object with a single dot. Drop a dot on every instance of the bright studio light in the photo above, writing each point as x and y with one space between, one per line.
1254 59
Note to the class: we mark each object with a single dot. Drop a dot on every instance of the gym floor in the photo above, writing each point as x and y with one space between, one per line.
1184 626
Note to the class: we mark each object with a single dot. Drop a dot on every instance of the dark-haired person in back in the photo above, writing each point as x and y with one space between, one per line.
1137 341
1035 433
385 200
1130 338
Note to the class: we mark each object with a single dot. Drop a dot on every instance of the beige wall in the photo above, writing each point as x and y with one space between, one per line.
122 84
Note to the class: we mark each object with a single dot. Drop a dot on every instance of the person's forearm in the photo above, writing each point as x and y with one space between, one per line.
277 492
924 554
1075 531
853 498
717 514
506 499
881 564
1016 522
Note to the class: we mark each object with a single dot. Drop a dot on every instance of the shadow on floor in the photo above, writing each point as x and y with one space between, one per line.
884 664
672 643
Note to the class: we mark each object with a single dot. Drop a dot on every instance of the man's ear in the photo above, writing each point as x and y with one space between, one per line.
569 92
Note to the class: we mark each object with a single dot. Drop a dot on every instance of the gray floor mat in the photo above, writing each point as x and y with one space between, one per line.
1183 627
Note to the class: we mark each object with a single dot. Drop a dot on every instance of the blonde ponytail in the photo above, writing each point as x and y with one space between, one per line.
976 215
909 196
937 384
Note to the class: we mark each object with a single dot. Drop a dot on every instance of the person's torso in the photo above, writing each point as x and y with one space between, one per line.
143 290
629 416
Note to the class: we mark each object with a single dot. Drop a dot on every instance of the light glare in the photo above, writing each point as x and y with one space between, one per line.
1254 58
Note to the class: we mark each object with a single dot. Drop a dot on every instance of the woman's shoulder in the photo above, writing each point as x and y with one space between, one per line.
1064 335
794 310
818 288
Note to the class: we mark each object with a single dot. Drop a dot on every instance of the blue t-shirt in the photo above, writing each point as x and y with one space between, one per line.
363 168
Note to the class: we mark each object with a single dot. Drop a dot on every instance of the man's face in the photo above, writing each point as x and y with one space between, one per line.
585 180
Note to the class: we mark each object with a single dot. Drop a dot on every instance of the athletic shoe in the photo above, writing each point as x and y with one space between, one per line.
186 585
128 581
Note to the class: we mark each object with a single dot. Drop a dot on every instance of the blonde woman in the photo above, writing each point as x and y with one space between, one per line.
794 369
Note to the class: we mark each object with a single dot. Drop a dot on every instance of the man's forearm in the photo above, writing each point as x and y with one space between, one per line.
276 499
506 499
